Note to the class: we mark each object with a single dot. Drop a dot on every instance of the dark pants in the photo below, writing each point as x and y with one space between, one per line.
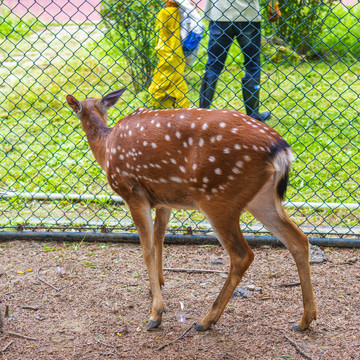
222 34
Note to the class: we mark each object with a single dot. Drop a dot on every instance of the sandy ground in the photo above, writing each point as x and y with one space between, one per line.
100 306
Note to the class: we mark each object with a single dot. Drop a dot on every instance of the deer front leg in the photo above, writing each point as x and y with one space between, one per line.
141 213
161 220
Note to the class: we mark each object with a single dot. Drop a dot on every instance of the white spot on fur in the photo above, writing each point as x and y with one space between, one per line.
235 170
167 137
218 171
201 142
211 158
145 143
178 135
153 145
205 180
176 179
237 147
190 141
247 158
222 124
182 169
226 151
173 161
192 125
194 166
255 147
204 126
239 164
218 137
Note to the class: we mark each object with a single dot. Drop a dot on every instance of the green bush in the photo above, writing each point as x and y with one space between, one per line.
131 29
301 23
341 31
15 28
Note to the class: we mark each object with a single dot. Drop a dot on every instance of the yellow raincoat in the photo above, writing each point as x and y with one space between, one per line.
168 88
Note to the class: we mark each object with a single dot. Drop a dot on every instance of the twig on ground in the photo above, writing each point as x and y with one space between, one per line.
298 348
107 354
38 276
290 284
30 307
6 311
108 345
6 346
226 353
178 338
20 336
194 270
1 320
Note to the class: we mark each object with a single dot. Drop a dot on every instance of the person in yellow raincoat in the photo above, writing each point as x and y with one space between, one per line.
168 88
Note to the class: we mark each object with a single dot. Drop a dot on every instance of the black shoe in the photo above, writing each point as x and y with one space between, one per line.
207 91
251 94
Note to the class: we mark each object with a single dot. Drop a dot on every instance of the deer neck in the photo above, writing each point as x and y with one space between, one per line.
97 133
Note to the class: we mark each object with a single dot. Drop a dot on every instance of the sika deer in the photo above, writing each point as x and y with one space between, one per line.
217 161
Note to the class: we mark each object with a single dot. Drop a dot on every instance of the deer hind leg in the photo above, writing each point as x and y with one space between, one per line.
227 230
263 208
141 213
161 220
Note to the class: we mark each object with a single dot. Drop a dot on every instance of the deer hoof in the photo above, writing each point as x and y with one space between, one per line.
297 327
153 324
198 327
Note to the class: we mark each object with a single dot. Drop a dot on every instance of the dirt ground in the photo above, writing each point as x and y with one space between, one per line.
101 303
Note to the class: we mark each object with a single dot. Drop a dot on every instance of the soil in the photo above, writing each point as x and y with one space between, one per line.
100 306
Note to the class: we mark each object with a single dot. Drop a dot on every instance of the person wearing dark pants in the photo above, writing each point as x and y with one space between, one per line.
230 19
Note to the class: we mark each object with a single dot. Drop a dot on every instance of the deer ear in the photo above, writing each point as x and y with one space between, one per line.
74 104
111 99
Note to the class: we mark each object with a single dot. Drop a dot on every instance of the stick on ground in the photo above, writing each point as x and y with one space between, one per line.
298 348
20 336
194 270
38 276
178 338
6 346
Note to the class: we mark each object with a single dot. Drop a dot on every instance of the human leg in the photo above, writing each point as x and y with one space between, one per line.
249 39
219 44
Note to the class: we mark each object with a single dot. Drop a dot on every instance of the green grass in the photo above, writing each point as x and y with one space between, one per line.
43 148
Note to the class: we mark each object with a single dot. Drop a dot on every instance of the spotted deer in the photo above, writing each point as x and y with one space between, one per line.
219 162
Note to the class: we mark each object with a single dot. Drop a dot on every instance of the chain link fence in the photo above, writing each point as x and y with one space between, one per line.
50 48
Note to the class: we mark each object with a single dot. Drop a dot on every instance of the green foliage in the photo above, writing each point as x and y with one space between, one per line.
301 23
15 28
341 31
131 29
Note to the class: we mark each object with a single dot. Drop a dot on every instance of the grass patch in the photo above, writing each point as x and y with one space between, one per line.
314 105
